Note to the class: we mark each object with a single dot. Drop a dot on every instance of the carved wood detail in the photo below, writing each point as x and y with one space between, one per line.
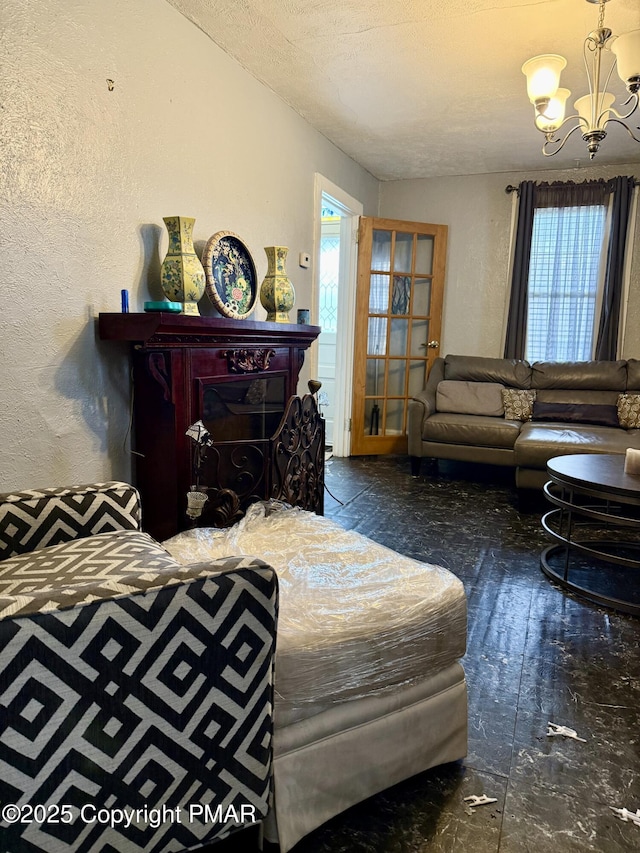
249 360
157 365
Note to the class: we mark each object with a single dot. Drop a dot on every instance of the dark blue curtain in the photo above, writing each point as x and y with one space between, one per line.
517 319
607 340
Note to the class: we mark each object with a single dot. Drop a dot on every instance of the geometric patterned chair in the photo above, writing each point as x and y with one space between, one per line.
136 694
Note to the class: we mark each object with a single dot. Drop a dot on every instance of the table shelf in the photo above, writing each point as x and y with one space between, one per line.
596 554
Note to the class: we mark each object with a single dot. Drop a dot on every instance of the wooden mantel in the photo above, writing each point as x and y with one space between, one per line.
186 369
160 329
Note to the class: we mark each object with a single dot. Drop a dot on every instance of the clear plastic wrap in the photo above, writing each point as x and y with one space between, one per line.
355 618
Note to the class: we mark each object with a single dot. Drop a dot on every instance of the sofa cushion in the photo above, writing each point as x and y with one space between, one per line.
470 398
576 413
476 369
537 443
37 518
106 566
518 404
633 374
629 411
95 561
451 428
583 375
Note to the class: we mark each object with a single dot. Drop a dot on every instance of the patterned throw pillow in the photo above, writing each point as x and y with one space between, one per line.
629 411
518 405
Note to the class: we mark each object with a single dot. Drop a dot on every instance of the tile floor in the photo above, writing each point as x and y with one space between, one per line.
534 655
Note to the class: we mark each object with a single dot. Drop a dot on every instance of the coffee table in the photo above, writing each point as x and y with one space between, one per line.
596 524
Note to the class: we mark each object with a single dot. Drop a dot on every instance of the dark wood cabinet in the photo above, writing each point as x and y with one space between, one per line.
238 377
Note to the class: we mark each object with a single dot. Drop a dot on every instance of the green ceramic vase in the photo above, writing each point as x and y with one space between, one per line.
182 275
276 293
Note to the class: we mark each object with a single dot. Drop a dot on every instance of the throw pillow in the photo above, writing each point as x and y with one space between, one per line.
518 404
469 398
581 413
629 411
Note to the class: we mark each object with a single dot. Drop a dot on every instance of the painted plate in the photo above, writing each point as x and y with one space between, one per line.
232 283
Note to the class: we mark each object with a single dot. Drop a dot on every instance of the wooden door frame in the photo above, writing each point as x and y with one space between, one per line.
352 210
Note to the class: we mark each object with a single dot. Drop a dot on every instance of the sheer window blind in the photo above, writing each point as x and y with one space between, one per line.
566 253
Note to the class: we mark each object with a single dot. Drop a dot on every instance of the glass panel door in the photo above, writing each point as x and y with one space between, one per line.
399 306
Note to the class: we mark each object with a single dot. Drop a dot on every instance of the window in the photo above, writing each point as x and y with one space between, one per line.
329 270
568 270
564 271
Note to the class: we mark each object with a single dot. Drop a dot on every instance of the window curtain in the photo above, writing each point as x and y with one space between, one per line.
607 341
568 194
517 318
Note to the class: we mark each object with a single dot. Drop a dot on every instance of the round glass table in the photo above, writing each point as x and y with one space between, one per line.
596 526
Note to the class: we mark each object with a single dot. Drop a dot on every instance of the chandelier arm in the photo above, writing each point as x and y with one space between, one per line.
561 145
577 117
602 115
628 129
611 70
633 97
591 50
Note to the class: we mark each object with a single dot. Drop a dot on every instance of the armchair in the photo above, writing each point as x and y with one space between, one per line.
136 694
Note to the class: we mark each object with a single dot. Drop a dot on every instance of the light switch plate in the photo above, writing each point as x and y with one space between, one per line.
304 260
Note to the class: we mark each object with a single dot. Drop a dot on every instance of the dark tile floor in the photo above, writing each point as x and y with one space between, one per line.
534 655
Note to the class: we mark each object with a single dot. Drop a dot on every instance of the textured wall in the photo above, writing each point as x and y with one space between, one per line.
478 213
87 175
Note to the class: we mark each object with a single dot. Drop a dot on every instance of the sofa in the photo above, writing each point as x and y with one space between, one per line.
136 694
513 413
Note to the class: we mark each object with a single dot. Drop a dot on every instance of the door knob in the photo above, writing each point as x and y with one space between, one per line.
433 344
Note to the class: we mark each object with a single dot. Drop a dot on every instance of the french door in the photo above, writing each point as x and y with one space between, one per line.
400 290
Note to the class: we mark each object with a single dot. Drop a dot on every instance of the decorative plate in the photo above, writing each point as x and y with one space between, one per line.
232 283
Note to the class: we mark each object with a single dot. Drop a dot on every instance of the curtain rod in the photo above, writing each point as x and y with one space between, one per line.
511 189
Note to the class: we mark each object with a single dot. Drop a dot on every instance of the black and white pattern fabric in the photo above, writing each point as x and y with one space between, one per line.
37 518
155 700
84 569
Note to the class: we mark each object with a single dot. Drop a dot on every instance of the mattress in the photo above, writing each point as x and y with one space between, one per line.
356 619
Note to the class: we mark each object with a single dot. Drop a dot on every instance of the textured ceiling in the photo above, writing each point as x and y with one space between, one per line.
419 88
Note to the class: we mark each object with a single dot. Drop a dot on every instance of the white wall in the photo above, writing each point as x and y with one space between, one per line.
87 175
478 213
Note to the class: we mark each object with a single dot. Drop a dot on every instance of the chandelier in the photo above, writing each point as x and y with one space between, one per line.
595 110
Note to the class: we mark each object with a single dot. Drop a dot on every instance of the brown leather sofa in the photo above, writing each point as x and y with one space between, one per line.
470 434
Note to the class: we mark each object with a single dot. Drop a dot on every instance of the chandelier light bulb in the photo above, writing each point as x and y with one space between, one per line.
627 50
552 117
543 76
594 113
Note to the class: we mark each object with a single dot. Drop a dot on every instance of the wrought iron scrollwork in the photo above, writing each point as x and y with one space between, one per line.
224 508
297 456
289 467
234 477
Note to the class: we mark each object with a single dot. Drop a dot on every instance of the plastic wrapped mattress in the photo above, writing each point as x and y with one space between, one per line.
355 618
